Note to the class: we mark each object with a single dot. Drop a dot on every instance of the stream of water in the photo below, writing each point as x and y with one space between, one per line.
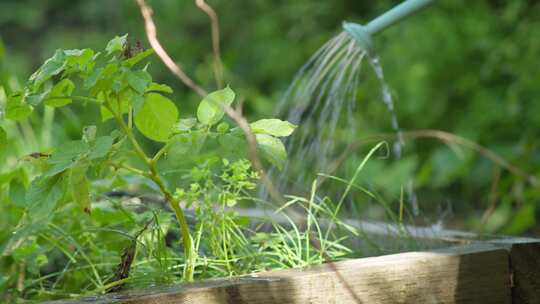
321 100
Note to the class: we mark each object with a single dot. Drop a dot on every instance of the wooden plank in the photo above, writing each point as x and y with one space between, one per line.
470 274
525 267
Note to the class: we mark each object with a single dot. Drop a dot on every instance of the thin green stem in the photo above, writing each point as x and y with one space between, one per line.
160 153
80 98
174 203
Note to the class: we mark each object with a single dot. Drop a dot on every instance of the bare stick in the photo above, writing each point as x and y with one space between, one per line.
218 65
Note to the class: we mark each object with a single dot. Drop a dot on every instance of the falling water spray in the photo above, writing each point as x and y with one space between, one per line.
323 95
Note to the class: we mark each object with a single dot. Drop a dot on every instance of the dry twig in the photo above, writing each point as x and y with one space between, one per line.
218 65
151 34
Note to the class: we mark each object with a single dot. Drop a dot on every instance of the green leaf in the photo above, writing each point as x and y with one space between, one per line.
66 155
157 117
92 79
44 194
16 109
101 147
33 99
80 59
156 87
272 149
3 139
52 66
137 58
124 107
274 127
116 44
222 127
80 187
138 80
61 89
185 124
17 193
187 143
210 110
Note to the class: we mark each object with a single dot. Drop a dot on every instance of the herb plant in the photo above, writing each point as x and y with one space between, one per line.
115 82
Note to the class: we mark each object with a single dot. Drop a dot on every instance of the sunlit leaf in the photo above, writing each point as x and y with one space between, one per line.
116 44
157 117
210 110
274 127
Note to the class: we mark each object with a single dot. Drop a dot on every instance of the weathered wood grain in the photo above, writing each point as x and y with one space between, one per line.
470 274
525 267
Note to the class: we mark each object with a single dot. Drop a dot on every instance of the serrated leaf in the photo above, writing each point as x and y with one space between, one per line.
52 66
157 117
56 97
138 80
272 149
116 44
16 109
274 127
156 87
66 155
43 195
137 58
80 187
210 110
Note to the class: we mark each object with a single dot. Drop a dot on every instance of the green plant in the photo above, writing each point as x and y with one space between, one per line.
127 95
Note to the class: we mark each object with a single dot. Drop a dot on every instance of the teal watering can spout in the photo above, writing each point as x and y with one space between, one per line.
362 33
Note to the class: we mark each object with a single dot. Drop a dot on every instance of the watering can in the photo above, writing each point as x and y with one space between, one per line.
362 33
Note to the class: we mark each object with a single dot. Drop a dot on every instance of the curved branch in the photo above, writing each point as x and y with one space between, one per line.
151 34
218 64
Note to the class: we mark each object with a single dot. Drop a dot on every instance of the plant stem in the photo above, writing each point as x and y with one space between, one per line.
173 203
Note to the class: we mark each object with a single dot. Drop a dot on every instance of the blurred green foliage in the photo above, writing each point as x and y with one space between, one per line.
466 67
